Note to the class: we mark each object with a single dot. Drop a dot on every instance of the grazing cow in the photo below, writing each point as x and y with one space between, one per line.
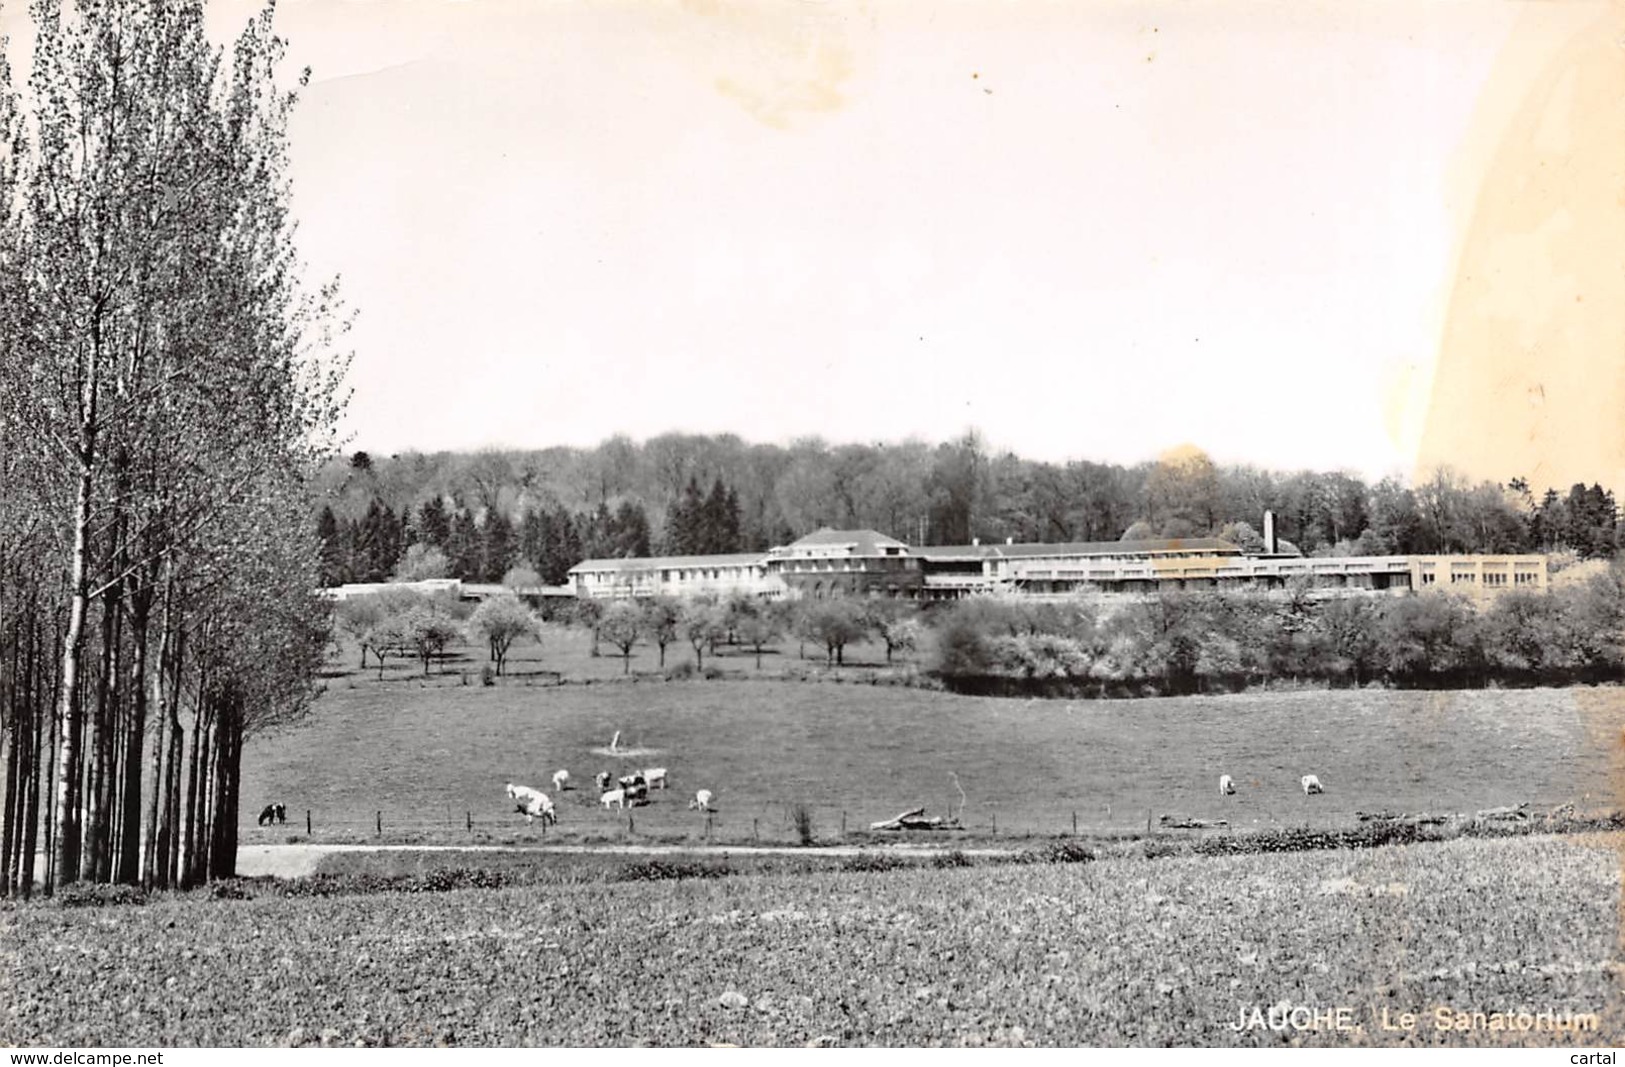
614 797
602 780
701 801
273 813
1226 786
633 781
1311 784
561 781
539 807
524 794
656 777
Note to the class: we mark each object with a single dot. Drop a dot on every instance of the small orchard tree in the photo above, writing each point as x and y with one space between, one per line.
421 563
589 613
759 629
736 608
893 621
660 617
357 617
499 622
386 637
900 635
703 626
622 625
834 623
426 633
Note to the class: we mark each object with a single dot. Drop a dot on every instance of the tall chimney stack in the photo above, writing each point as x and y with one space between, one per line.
1269 533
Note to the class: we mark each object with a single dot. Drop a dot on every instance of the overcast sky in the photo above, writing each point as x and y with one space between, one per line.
1089 230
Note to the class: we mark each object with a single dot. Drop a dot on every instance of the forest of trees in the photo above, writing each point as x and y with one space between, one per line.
688 495
167 396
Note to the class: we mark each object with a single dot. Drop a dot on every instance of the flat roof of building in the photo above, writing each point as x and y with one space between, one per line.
1211 546
655 563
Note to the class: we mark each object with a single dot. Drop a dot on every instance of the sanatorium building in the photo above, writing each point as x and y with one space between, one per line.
863 562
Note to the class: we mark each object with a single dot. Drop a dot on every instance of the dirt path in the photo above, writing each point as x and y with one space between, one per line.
299 861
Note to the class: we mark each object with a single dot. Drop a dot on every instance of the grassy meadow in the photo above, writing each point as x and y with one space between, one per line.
1127 951
430 753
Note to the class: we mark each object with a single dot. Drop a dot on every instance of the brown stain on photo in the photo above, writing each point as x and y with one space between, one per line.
1530 379
779 63
1530 374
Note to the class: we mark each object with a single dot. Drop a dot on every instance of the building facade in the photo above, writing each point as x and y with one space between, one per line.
866 563
624 579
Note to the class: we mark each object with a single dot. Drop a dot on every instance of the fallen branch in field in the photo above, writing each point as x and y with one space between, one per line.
1420 818
1171 823
915 819
1520 811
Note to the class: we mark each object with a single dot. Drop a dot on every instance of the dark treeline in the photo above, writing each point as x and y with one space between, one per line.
163 410
1184 642
681 495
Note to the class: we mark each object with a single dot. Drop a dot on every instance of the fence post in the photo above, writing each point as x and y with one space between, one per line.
843 823
995 822
307 822
380 824
1074 824
470 822
753 834
708 826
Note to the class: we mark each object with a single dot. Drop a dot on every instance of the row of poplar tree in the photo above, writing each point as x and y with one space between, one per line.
166 392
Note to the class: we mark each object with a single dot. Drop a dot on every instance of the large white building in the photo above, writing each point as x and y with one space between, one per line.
863 562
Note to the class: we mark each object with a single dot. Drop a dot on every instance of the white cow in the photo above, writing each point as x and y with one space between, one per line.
1311 784
561 781
701 801
655 777
532 803
613 798
540 807
522 793
1226 786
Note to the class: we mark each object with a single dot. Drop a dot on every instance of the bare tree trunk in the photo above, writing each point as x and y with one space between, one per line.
15 740
193 858
98 747
30 717
65 867
128 867
50 785
172 794
9 740
150 849
173 775
31 811
222 854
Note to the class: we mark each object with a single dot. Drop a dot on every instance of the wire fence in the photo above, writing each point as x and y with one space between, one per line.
764 824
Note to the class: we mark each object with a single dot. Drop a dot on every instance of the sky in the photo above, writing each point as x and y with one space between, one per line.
1090 231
